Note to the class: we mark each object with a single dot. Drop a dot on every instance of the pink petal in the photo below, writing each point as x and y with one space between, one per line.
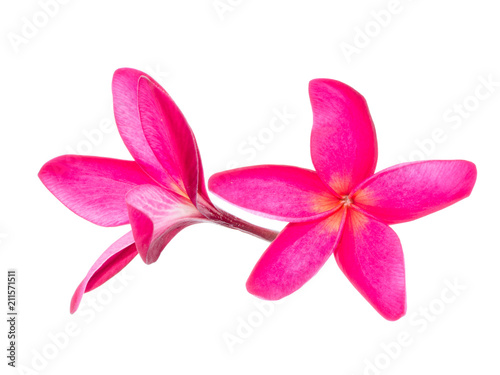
278 192
409 191
169 136
125 103
92 187
202 189
112 261
343 139
371 257
296 255
156 216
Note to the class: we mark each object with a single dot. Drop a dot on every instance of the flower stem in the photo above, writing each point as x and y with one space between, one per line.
219 216
231 221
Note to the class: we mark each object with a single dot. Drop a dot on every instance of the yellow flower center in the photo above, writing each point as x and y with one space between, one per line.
346 200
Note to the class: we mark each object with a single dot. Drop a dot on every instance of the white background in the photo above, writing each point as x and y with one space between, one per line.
228 75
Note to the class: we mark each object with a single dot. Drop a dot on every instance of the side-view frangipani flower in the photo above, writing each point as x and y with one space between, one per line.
160 193
342 208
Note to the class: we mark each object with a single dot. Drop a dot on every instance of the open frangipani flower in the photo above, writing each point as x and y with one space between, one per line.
159 193
342 208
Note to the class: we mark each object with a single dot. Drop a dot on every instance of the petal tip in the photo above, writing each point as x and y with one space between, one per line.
392 316
472 175
144 82
265 293
214 181
125 71
319 85
51 167
77 298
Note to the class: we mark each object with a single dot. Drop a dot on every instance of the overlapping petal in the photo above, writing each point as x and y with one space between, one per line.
169 136
93 187
127 118
295 256
411 190
275 191
343 139
371 257
156 216
112 261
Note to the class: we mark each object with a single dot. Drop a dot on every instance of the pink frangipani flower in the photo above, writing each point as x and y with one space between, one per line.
342 208
159 193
